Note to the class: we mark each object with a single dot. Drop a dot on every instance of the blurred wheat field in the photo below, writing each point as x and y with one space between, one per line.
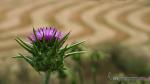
95 21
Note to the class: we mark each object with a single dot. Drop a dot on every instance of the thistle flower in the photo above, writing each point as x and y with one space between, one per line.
46 50
46 34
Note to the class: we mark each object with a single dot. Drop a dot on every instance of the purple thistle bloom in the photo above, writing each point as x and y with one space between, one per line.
45 33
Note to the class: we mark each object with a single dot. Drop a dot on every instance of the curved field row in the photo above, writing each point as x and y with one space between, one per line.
135 19
146 18
100 18
102 33
36 17
94 21
113 18
11 44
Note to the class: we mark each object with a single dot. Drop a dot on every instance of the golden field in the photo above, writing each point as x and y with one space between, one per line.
96 21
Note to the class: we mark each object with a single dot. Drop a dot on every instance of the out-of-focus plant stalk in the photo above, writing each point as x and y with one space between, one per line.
94 73
143 82
73 78
62 77
78 65
80 73
47 77
94 76
78 69
95 58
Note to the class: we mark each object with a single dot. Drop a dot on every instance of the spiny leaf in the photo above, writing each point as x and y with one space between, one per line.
24 45
56 43
35 48
72 53
74 45
63 50
26 57
63 40
29 60
18 57
29 46
21 56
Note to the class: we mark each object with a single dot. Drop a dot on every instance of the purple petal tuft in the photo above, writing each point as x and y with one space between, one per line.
47 33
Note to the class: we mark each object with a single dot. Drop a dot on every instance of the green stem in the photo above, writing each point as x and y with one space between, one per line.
73 78
62 81
142 82
47 77
62 77
94 77
81 77
80 74
120 82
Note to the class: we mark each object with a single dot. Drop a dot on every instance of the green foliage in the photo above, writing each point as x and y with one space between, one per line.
131 60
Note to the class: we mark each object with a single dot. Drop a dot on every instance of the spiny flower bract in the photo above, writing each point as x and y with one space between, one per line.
46 49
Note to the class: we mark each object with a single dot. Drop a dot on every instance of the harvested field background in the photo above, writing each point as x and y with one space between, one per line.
95 21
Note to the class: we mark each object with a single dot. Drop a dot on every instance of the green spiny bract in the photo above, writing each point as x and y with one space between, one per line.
47 55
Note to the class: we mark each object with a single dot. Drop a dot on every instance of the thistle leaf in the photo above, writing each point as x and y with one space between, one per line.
28 59
74 45
63 40
18 57
24 45
72 53
35 48
63 50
